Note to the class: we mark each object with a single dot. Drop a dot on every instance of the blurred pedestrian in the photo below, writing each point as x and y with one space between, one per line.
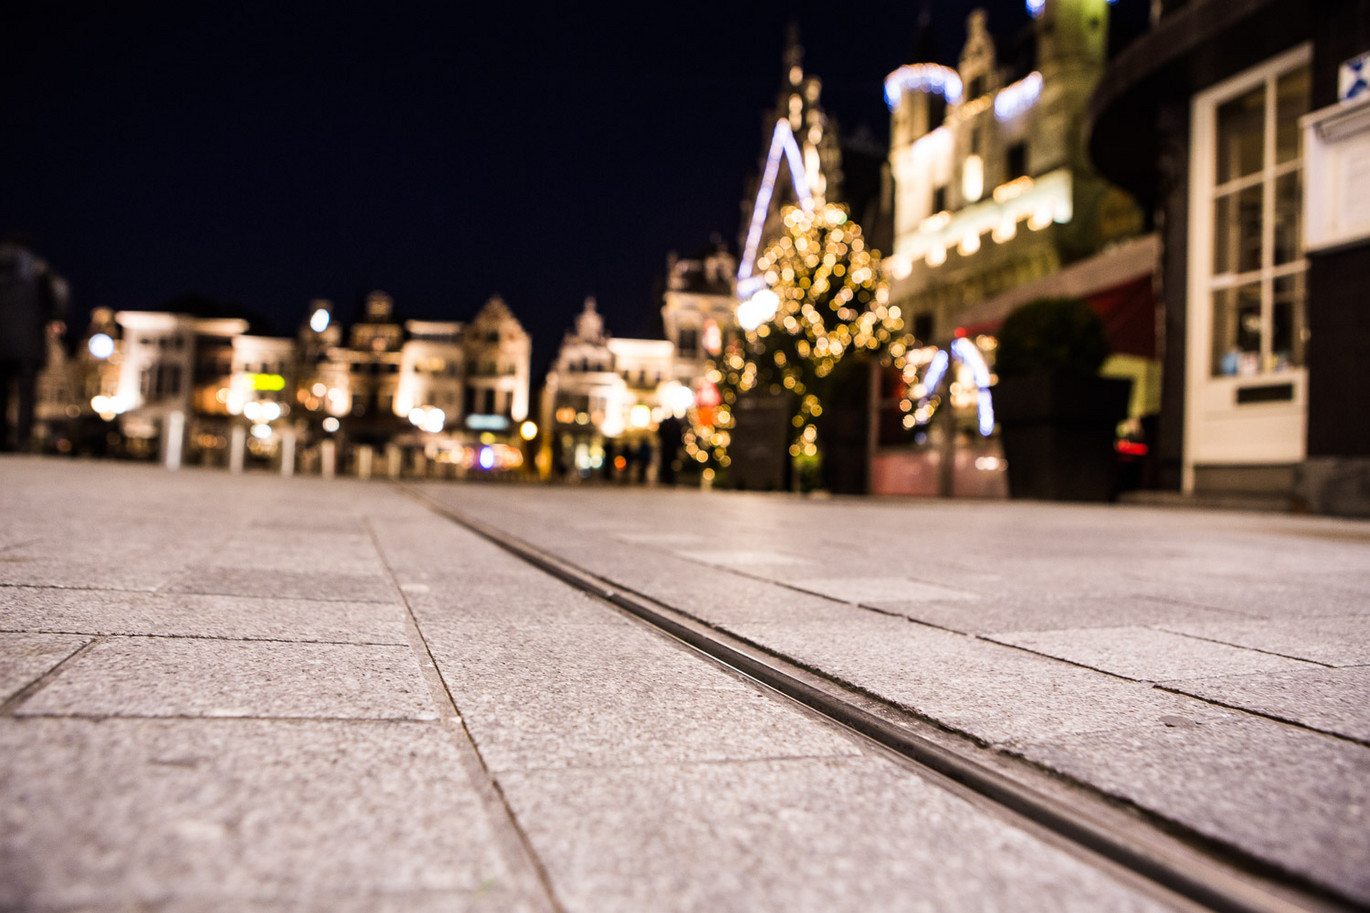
31 297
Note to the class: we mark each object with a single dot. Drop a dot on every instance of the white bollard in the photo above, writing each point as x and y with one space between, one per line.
237 447
364 457
328 459
393 458
173 438
288 453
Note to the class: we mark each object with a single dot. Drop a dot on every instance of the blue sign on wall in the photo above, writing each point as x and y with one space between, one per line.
1354 79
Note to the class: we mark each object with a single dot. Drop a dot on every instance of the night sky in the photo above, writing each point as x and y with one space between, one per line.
264 154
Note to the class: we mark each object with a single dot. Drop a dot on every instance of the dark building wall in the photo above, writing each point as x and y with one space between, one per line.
1338 353
1172 221
1339 281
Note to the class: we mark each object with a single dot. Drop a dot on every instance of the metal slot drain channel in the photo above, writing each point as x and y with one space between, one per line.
1164 861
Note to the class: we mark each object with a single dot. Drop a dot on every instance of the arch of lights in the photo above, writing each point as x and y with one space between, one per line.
966 352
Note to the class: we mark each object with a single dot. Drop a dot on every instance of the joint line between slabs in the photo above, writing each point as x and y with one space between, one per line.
516 849
23 694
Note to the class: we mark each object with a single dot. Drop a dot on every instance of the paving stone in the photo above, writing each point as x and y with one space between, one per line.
829 835
339 587
224 678
442 609
563 696
740 558
664 539
1264 596
136 813
192 615
24 658
1333 641
1032 613
878 590
1332 700
82 574
1148 655
272 550
1297 799
994 693
487 899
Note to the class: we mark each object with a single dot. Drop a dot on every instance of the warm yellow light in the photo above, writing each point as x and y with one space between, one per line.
973 178
528 430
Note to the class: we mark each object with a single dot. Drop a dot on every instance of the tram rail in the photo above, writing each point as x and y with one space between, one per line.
1170 859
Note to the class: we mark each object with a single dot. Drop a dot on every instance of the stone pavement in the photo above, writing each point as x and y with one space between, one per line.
251 693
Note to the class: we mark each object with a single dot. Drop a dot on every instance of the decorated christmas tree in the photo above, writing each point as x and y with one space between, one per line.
824 301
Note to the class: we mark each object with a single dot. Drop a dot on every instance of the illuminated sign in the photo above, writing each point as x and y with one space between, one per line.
266 381
480 422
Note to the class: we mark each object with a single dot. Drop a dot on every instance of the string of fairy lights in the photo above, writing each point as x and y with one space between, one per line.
830 300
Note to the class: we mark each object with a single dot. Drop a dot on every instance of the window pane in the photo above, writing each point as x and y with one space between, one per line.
1241 135
1237 330
1237 232
1287 337
1291 103
1288 217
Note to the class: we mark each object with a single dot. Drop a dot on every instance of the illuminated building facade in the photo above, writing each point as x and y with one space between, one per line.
498 353
171 384
205 390
602 401
699 309
1247 127
993 190
997 203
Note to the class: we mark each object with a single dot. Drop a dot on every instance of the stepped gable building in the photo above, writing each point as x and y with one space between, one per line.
994 193
1246 124
498 367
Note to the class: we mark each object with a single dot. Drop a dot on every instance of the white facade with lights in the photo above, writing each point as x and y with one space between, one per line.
603 399
204 390
992 189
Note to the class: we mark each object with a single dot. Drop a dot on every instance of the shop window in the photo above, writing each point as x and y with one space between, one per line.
1250 194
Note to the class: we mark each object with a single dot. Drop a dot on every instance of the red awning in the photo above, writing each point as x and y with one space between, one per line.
1127 310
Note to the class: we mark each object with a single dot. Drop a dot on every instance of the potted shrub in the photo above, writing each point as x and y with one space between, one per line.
1057 416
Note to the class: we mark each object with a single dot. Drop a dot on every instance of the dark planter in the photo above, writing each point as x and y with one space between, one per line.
1058 435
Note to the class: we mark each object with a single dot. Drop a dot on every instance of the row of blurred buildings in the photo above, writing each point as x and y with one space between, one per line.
1203 185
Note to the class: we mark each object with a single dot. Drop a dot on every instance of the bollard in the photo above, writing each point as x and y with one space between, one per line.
420 464
393 457
173 438
364 457
237 446
328 459
288 453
